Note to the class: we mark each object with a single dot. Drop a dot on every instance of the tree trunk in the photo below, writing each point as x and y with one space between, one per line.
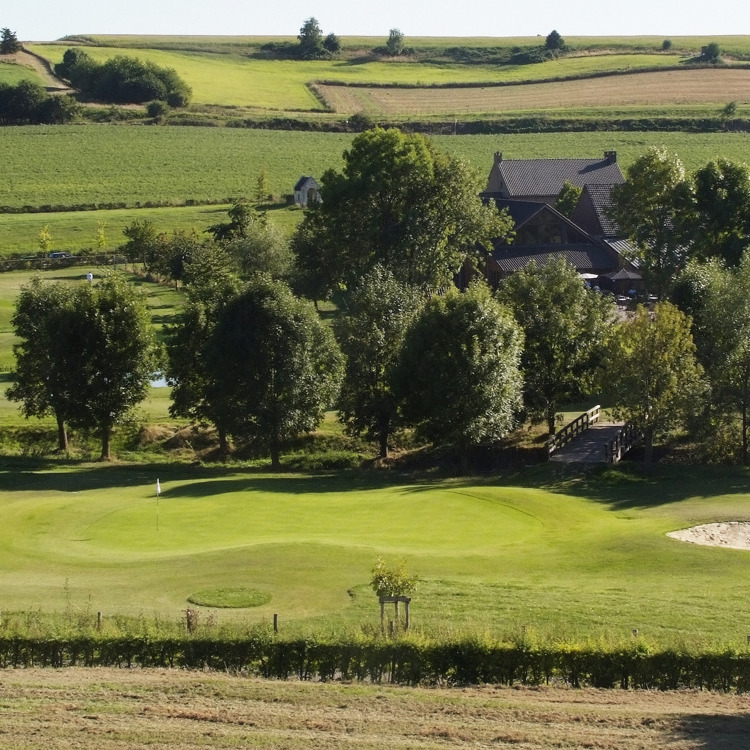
62 434
744 432
648 451
106 437
223 441
275 451
551 419
383 433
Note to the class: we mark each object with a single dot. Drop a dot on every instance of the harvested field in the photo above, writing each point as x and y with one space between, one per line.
107 709
673 87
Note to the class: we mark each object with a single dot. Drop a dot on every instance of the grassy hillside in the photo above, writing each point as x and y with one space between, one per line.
12 74
236 72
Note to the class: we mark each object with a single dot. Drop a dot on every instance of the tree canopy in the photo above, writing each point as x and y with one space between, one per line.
371 334
647 209
651 372
395 43
458 379
399 203
86 354
565 326
122 80
259 364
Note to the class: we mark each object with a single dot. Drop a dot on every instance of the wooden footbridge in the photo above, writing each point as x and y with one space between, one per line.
588 440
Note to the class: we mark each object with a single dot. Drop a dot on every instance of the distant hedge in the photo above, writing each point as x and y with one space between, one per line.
28 103
401 660
122 80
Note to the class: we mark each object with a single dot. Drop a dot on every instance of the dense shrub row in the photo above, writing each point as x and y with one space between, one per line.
123 80
111 206
402 660
28 103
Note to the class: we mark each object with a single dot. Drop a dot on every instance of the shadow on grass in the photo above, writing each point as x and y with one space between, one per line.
626 486
633 486
715 731
41 474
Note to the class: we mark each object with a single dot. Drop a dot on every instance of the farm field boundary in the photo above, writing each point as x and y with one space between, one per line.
406 661
678 87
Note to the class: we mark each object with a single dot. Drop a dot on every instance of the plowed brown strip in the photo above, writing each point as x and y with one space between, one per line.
665 87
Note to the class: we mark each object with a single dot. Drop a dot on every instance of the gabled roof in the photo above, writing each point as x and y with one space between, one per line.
511 178
522 212
303 181
585 258
599 198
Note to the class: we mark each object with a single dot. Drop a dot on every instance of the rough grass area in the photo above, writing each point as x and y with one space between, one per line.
114 708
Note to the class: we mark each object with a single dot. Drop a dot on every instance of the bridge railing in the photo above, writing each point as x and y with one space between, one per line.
576 427
621 443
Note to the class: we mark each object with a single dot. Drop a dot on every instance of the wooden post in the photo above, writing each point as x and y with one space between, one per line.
382 614
390 627
406 604
275 623
99 621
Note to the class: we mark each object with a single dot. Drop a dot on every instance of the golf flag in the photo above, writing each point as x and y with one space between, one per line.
158 488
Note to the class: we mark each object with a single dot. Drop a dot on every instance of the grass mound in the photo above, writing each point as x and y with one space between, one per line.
230 598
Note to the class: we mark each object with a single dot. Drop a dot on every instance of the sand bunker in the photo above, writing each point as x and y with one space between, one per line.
733 535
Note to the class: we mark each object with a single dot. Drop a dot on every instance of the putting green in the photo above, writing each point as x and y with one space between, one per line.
583 556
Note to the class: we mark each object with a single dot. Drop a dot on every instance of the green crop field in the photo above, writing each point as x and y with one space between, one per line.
579 559
86 164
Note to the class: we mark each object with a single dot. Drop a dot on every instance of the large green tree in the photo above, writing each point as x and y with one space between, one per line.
719 301
370 335
458 379
271 358
717 212
109 332
647 208
564 324
399 203
43 380
651 372
311 40
86 354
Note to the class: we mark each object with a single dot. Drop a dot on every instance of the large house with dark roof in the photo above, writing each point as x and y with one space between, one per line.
528 189
540 180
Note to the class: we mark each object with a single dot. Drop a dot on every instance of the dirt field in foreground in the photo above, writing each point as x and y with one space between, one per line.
109 708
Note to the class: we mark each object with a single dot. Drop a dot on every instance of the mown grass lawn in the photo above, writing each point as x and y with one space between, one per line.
580 558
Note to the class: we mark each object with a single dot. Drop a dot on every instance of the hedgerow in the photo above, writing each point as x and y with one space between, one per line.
409 660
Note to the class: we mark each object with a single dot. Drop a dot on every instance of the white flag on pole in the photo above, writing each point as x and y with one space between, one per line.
158 488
